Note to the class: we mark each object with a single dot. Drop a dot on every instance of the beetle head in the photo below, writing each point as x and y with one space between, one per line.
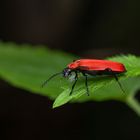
66 72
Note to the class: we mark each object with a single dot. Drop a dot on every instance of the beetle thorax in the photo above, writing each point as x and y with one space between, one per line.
74 65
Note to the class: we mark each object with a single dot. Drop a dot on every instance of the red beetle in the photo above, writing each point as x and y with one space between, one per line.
91 67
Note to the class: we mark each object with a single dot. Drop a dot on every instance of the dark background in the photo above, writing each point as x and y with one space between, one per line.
88 28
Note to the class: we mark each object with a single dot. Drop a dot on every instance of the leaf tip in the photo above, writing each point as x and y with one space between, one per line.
55 105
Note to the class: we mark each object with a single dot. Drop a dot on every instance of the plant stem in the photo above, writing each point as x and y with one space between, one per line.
134 104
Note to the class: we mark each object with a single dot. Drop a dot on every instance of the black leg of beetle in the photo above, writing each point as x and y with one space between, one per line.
115 76
76 78
119 83
86 83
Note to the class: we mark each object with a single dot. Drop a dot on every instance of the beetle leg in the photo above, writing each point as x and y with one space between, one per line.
119 82
116 78
86 83
75 78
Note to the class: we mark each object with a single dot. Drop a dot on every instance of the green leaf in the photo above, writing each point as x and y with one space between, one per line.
27 67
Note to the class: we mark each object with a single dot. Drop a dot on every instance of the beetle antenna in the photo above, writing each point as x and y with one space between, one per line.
56 74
